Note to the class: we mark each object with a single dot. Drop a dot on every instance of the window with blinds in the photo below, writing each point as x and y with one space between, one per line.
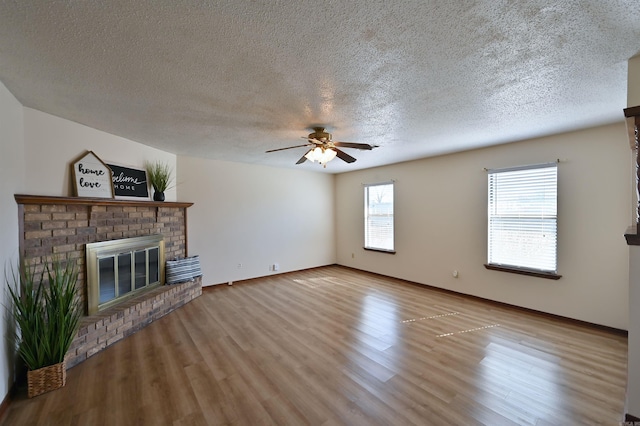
378 217
523 218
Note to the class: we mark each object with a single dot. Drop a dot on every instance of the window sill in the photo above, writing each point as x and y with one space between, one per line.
380 250
523 271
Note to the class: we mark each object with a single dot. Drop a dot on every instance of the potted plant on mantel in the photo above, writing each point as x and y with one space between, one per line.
159 175
47 315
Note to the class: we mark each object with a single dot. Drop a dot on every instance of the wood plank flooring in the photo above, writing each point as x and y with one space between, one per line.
334 346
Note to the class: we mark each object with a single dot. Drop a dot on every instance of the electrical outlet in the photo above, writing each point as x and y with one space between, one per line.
455 274
275 267
239 265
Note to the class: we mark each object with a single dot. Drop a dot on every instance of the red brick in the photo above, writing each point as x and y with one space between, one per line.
63 216
77 208
96 349
34 242
64 232
32 226
37 234
77 223
114 339
37 252
36 217
78 239
54 225
54 241
88 230
64 248
114 325
54 208
100 215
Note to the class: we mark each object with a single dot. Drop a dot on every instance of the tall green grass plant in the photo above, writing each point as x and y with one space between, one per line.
47 315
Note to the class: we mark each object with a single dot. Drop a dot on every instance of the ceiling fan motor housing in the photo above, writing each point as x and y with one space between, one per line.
320 134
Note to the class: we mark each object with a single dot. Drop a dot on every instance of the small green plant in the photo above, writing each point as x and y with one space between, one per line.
47 315
160 175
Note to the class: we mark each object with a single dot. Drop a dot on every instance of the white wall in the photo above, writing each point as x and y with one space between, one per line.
633 82
441 216
256 216
11 182
53 144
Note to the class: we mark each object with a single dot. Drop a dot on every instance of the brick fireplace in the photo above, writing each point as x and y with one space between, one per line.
62 226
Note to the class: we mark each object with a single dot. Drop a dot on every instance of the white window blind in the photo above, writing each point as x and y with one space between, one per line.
523 217
378 217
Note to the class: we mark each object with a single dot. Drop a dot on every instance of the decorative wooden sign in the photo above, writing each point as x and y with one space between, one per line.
128 182
92 177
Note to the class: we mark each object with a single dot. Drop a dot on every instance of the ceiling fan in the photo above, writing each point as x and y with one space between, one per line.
323 149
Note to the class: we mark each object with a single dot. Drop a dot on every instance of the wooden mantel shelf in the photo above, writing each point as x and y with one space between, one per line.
632 237
45 199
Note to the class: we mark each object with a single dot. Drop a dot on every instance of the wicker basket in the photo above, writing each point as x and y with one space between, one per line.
46 379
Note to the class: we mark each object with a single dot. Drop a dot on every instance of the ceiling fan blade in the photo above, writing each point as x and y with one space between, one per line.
289 147
344 156
313 140
303 158
355 145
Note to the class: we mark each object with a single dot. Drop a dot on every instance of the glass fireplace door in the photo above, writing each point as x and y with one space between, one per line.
121 268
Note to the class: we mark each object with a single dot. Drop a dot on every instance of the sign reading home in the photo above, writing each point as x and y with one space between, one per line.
129 182
92 177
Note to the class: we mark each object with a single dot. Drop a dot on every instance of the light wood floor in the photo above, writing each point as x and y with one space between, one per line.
334 346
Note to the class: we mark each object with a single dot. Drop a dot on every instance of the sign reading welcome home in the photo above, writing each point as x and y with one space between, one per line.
129 182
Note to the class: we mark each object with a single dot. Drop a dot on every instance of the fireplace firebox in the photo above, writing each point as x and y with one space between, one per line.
119 269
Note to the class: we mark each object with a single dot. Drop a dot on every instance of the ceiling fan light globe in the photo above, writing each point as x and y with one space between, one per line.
314 155
329 154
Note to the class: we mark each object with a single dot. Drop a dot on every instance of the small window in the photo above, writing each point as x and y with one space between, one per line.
523 219
378 217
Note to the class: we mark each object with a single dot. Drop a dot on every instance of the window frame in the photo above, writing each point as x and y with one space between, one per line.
522 268
367 244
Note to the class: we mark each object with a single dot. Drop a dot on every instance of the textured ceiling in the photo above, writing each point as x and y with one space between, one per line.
230 79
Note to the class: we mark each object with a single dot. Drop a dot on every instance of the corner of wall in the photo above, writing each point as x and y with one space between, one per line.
12 180
633 81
